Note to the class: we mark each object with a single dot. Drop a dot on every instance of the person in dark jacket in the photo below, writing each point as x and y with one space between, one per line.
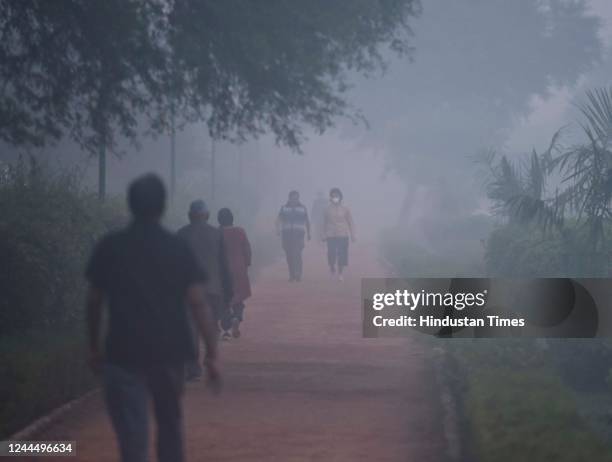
145 274
293 225
206 242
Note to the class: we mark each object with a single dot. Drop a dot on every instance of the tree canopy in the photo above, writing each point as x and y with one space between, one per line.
94 70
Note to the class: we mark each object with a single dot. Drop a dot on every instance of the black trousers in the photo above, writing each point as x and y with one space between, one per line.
293 244
337 252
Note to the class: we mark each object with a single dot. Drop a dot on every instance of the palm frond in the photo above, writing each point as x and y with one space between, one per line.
598 113
535 177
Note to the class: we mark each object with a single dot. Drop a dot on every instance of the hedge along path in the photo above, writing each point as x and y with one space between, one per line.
301 384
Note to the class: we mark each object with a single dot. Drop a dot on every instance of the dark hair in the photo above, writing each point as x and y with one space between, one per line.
336 192
294 193
225 217
147 197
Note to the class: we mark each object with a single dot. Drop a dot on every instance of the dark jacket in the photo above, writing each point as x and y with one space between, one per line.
206 242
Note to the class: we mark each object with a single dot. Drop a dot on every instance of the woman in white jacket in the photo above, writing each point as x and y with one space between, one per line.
338 227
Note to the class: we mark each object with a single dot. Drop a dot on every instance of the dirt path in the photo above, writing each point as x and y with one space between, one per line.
300 385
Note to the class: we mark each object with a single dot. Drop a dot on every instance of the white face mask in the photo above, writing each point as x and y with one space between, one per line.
335 200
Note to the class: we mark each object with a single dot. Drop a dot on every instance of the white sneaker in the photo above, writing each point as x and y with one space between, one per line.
340 278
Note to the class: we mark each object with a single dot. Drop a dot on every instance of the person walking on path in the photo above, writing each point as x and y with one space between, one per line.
338 227
206 242
238 250
317 215
145 274
293 225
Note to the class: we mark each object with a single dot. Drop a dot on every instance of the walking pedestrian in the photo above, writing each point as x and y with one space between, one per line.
338 227
144 274
206 242
293 225
238 250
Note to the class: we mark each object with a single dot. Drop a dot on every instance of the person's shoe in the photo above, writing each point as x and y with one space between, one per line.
226 336
236 328
340 277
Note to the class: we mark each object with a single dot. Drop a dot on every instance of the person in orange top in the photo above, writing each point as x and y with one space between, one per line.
338 226
238 251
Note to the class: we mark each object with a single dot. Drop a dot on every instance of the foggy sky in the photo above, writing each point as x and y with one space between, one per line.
478 79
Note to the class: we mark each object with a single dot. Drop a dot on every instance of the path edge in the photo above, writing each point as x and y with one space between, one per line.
454 449
52 417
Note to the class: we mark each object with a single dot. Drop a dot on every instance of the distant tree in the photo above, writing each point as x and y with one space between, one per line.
587 169
580 209
78 68
478 65
518 189
92 70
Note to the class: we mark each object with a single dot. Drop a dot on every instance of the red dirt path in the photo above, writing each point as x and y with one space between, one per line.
300 385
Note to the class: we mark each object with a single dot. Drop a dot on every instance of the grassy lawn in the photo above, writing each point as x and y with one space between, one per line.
517 408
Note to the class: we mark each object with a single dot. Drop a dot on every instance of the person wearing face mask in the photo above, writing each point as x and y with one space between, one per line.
292 224
338 227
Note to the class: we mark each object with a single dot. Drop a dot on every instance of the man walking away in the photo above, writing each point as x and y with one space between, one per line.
292 225
206 242
338 226
238 251
146 274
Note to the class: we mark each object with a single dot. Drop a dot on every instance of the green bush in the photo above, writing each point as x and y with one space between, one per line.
528 416
527 250
584 364
523 251
48 225
517 406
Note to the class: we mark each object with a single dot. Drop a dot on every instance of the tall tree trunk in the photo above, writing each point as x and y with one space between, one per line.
102 172
212 170
172 159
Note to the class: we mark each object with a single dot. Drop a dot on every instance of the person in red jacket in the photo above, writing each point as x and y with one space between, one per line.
238 251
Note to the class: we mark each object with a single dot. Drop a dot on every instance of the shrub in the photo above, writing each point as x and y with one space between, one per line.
527 250
452 249
48 225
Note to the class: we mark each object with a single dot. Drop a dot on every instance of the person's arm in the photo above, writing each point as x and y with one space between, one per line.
205 322
94 307
351 225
